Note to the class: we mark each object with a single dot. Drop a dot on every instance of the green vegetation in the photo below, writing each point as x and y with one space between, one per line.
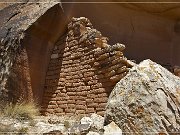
66 124
23 130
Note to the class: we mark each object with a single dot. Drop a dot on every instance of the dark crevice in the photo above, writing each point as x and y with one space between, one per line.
8 31
163 91
13 16
170 107
165 126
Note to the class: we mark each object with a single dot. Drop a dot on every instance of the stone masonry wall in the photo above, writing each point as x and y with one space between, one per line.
83 70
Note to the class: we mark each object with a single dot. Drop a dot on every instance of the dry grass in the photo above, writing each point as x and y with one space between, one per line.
21 111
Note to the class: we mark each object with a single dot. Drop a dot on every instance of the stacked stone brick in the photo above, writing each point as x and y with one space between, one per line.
82 71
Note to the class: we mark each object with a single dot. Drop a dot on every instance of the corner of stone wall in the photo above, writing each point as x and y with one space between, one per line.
82 71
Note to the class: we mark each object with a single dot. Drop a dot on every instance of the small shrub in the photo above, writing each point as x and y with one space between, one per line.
20 111
66 124
79 117
32 123
23 130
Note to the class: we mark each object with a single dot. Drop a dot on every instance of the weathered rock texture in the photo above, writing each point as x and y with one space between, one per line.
93 125
19 81
146 101
82 71
16 18
112 129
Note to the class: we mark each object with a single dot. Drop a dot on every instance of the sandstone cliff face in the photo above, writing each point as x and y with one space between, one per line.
152 28
19 81
15 20
146 101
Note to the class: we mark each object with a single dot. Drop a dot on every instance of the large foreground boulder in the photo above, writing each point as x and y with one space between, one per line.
146 101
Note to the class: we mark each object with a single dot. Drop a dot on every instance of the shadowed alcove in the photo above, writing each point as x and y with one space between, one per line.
39 41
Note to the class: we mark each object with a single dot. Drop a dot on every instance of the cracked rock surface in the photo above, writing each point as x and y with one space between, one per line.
16 18
146 101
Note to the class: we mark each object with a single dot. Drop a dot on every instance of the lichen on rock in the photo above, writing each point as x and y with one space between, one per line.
146 101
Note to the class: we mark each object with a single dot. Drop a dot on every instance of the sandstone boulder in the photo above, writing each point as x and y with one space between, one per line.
86 120
146 101
98 121
112 129
79 129
92 133
90 125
